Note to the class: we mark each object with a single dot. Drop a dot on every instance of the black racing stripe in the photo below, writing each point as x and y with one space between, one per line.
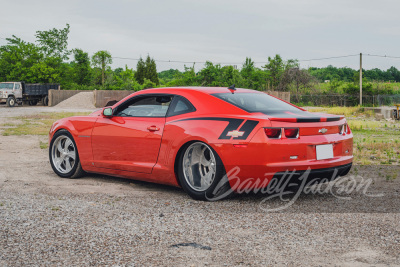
333 119
233 125
208 119
247 128
308 119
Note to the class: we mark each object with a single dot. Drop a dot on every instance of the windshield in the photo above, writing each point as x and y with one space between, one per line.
6 85
256 102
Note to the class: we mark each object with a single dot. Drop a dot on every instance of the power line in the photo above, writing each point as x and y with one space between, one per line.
234 63
324 58
385 56
158 60
257 62
177 61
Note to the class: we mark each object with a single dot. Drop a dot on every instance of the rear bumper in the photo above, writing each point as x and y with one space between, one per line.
317 174
259 161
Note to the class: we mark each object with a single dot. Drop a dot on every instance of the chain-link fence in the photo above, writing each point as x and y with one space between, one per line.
344 100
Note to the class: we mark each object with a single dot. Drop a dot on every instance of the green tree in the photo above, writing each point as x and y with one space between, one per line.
102 59
54 42
169 75
81 67
230 76
17 59
151 70
299 78
252 77
275 68
147 70
23 61
209 75
187 78
140 71
248 68
125 79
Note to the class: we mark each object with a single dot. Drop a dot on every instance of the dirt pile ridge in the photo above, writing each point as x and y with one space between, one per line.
80 100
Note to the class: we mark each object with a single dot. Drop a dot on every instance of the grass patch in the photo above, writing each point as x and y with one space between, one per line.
346 111
43 145
36 124
376 142
359 125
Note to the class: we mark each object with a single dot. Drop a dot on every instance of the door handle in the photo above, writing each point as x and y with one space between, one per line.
153 128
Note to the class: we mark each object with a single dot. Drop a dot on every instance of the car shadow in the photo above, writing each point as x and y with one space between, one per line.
288 202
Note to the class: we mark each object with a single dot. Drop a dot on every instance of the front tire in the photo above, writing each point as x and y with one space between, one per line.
201 173
11 102
64 157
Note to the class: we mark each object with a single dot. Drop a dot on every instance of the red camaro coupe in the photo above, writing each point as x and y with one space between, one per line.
194 137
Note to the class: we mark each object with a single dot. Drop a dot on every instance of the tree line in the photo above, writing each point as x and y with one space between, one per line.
48 60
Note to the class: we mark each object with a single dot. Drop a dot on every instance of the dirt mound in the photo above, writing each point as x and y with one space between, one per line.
80 100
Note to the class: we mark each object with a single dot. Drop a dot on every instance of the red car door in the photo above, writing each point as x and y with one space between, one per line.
130 140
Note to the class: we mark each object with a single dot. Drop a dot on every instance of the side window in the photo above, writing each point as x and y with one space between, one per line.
147 106
17 86
179 106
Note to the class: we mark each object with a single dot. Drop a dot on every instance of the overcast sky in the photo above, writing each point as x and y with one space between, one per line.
224 31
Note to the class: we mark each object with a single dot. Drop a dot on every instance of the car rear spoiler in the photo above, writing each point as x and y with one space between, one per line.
307 119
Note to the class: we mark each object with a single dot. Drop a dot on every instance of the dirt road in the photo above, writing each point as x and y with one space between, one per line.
98 220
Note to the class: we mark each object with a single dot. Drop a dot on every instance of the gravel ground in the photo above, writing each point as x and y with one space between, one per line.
99 220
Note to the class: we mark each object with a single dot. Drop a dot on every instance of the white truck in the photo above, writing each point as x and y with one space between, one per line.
12 93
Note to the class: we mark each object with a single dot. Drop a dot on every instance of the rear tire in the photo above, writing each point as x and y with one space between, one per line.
11 102
33 102
201 173
64 156
45 101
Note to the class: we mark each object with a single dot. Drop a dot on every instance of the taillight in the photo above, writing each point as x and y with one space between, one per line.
291 132
343 129
273 132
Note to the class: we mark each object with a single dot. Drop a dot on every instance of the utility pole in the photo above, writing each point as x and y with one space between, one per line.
360 79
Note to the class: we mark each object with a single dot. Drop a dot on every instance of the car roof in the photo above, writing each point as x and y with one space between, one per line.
207 90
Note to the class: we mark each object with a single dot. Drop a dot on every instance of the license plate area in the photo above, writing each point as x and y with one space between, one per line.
324 151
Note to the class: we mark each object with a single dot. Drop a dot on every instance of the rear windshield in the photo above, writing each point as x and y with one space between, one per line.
256 102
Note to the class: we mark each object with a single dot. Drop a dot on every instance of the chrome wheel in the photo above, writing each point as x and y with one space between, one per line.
199 166
63 154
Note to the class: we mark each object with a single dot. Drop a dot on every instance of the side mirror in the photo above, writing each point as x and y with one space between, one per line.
107 112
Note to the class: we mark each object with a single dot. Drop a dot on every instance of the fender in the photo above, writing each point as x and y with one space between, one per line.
81 130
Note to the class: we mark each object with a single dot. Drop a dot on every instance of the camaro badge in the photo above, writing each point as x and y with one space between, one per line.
235 133
323 130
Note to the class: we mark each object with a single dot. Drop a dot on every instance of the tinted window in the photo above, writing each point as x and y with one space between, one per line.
150 106
256 102
179 106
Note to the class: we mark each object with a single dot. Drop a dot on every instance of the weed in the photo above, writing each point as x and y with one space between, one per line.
43 145
38 124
